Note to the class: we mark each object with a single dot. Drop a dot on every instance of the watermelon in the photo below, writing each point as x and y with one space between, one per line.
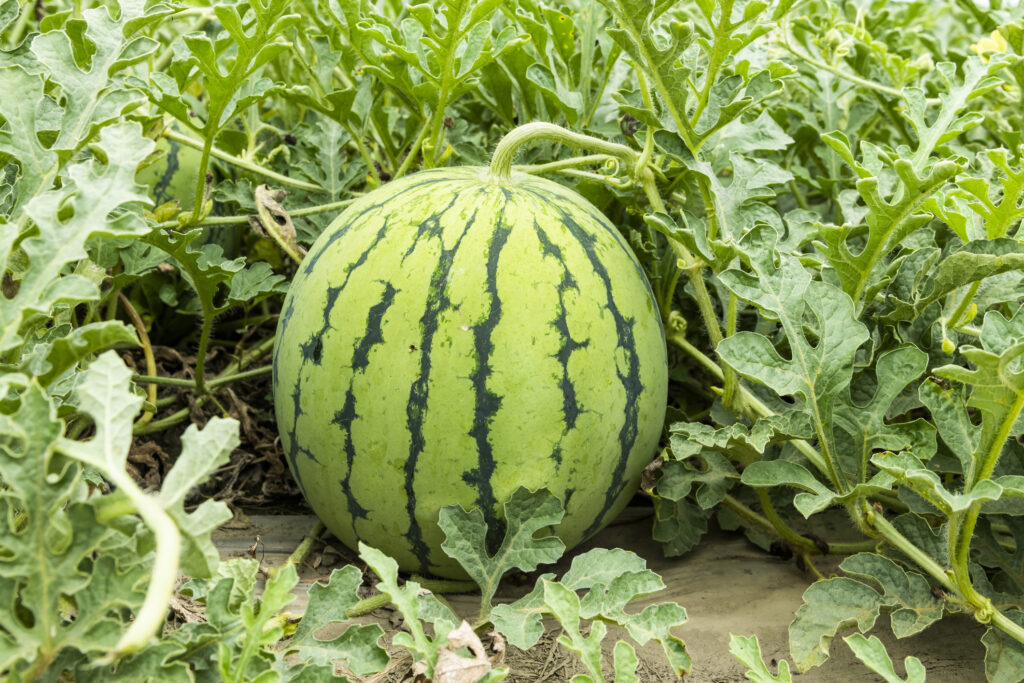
450 338
172 177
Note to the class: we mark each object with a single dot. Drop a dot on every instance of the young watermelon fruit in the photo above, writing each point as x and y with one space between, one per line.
450 338
172 177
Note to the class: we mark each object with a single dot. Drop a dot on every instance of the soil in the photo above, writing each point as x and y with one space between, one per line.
727 585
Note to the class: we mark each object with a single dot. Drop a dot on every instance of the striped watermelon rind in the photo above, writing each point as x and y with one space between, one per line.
172 176
450 338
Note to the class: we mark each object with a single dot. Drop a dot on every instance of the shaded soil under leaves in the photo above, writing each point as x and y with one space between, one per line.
257 477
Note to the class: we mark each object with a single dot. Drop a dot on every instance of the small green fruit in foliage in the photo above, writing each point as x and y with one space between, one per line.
450 338
171 180
172 176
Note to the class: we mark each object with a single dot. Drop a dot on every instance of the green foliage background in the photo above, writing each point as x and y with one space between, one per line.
827 198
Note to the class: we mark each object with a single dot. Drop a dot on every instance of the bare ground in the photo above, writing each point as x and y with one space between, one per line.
727 586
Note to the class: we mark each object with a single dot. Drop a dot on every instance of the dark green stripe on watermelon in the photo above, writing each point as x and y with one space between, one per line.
437 302
312 348
173 175
448 340
345 417
332 234
570 405
630 380
487 402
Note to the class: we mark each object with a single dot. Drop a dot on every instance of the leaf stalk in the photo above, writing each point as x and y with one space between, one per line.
235 161
151 616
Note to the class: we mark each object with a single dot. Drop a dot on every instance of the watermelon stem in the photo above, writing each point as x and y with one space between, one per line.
211 221
204 342
298 556
731 319
686 261
255 354
201 185
239 162
750 405
413 151
211 384
435 586
648 150
804 544
564 164
147 351
955 582
505 152
153 612
694 268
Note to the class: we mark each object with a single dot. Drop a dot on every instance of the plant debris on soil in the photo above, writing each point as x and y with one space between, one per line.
257 478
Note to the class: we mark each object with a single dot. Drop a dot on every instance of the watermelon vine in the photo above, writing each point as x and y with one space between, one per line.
469 277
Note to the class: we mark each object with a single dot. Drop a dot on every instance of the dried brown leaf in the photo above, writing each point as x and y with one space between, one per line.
650 474
240 411
146 463
453 668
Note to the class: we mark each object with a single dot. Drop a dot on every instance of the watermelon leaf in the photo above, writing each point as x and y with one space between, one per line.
50 547
329 603
690 438
228 68
102 392
973 262
435 55
89 99
243 631
202 452
654 621
950 122
830 605
908 594
157 662
872 652
613 579
255 283
564 604
826 205
260 625
526 514
890 220
1004 656
65 219
625 663
748 651
104 575
817 372
415 607
204 266
48 360
209 273
678 525
710 479
521 621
